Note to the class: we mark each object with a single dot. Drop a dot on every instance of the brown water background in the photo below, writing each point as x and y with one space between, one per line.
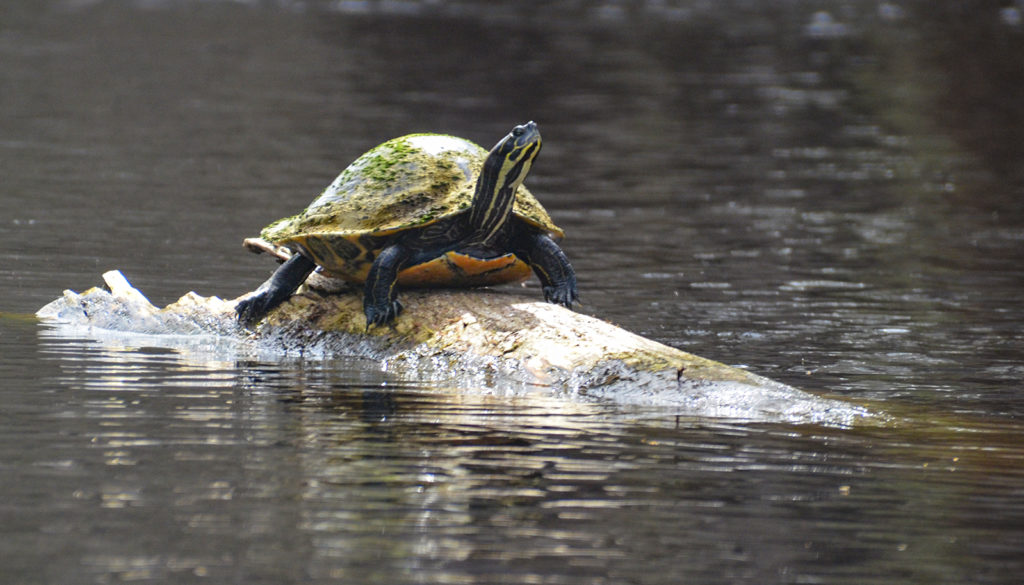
827 193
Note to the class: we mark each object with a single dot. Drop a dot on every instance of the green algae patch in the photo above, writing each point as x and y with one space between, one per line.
406 182
18 317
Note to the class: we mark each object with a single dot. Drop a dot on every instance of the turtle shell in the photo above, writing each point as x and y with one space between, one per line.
404 183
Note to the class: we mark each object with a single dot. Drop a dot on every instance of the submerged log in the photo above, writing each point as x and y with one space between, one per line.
469 337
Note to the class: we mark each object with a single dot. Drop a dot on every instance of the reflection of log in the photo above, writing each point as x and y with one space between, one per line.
471 337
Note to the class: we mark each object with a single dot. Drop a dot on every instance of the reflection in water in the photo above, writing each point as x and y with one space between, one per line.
311 474
829 194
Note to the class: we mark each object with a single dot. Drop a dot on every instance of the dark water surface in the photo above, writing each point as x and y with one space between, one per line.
828 193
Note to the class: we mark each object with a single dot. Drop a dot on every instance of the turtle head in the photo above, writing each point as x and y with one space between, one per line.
504 170
515 154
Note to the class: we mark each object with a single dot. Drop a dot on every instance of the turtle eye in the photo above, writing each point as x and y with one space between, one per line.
518 131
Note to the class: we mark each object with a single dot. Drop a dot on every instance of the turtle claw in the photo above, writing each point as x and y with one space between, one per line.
564 295
382 314
275 290
254 308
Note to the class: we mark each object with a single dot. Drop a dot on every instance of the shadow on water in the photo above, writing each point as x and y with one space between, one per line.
827 193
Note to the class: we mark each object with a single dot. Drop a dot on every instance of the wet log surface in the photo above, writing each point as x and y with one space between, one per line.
469 338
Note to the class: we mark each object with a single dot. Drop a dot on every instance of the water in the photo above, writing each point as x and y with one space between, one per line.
826 193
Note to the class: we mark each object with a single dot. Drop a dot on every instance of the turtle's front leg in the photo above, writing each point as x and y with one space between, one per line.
275 290
550 264
380 296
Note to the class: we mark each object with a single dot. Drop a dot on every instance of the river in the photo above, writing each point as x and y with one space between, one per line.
826 193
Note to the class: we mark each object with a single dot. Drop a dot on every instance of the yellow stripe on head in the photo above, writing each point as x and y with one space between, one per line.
506 167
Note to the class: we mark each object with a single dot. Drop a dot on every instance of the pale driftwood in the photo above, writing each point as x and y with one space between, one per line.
470 337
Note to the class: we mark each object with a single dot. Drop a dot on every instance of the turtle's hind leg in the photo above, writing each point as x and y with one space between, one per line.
550 264
275 290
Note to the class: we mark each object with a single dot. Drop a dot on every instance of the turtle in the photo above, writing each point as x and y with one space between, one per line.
422 210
